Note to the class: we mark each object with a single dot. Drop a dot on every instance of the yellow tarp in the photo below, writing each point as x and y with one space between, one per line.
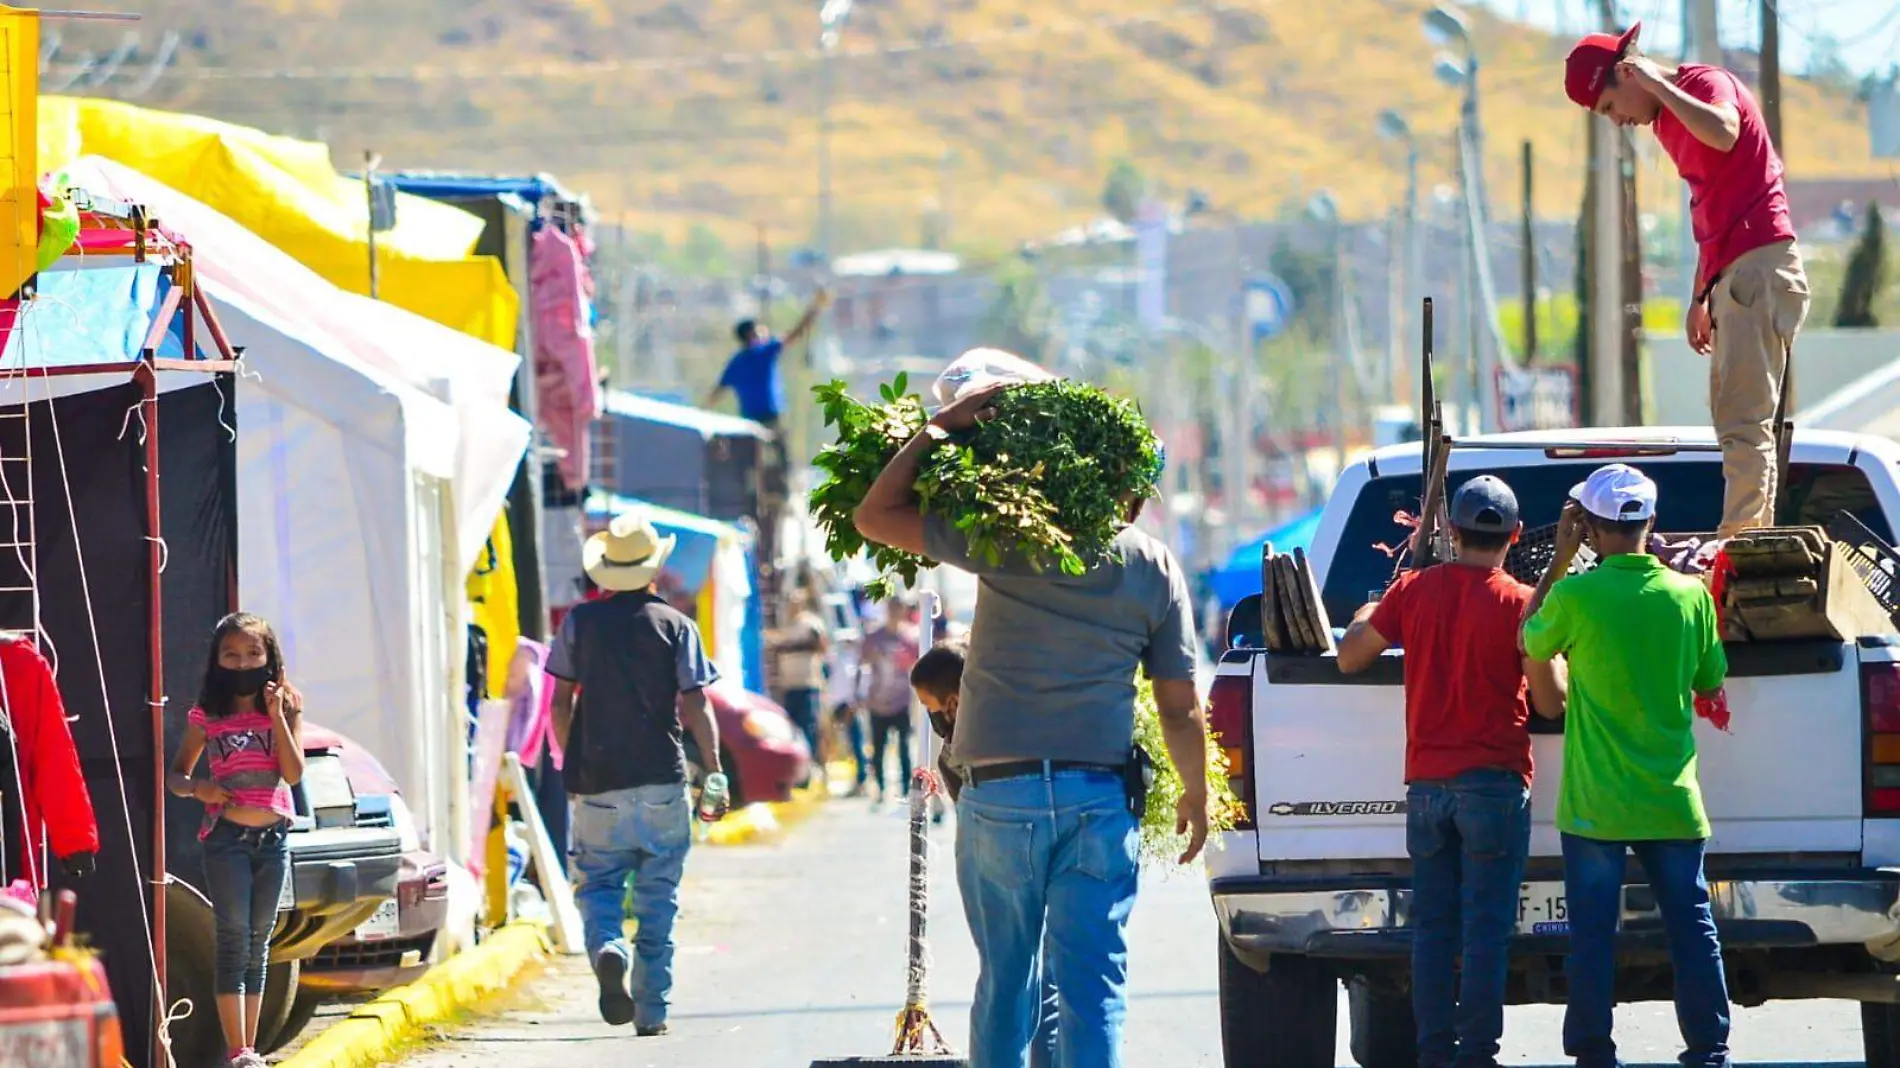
493 598
288 192
19 169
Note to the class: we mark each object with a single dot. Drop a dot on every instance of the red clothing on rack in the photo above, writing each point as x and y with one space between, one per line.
51 786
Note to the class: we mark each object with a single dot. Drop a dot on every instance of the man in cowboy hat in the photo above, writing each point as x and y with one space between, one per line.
638 669
1751 289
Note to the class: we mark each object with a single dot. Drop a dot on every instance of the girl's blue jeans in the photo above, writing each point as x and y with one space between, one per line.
245 869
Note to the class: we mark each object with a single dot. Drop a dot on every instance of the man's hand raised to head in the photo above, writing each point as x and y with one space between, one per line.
966 411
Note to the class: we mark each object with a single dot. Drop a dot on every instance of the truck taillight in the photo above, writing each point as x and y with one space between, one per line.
1230 718
1880 698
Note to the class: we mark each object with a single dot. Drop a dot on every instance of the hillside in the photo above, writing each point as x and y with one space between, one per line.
1009 114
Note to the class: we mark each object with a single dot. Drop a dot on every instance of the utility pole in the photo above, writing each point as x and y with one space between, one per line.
371 161
1469 392
1699 45
1771 72
1606 399
1629 351
1398 281
1529 264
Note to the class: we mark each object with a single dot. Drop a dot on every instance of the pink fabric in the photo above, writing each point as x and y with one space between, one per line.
567 382
528 709
242 750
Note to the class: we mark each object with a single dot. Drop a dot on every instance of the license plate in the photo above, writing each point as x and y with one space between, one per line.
1542 909
386 922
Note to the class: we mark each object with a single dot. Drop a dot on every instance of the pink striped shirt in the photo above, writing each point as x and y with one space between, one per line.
243 754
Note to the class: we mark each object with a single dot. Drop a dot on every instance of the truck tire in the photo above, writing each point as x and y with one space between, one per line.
1285 1017
1384 1034
1880 1034
280 996
190 940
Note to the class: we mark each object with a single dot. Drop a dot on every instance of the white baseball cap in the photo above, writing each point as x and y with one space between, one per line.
1617 492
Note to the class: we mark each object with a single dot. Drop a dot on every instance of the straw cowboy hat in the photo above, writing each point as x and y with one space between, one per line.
628 554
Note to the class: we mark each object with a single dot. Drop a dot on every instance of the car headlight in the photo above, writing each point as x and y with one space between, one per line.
765 727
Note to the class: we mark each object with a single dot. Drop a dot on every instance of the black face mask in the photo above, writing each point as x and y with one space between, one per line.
240 682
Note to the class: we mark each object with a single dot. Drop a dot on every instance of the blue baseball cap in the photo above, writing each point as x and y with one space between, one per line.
1484 505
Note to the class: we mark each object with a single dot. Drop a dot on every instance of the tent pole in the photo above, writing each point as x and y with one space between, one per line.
155 650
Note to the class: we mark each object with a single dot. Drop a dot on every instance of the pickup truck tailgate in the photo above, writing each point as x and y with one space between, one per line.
1330 758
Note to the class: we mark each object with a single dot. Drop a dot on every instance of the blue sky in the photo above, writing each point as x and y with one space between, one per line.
1866 32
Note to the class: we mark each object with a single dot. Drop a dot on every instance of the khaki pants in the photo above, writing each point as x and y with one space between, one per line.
1758 305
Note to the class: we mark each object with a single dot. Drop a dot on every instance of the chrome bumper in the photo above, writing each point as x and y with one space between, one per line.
1859 908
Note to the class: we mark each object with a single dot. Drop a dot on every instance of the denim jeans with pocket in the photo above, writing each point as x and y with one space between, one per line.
1593 882
1469 839
642 832
1048 856
245 869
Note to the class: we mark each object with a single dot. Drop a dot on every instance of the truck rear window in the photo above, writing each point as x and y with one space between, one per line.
1689 502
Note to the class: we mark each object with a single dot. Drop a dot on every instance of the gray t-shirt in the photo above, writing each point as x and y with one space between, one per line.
1050 673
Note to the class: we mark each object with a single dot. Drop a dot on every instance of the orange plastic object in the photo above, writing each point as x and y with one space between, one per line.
59 1014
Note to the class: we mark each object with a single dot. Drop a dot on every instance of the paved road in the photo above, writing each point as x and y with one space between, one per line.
795 951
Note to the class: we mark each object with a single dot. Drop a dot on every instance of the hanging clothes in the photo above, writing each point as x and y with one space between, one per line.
568 396
494 599
530 702
42 792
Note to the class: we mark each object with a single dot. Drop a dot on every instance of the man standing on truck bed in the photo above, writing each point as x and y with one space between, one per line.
1751 289
1046 840
1468 766
1640 640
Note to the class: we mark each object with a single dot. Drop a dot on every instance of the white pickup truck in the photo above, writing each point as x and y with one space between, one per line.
1313 889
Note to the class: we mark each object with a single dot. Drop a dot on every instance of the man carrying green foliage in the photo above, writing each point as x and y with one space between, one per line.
1046 839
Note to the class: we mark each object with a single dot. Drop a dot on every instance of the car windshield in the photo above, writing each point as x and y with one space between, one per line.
1689 501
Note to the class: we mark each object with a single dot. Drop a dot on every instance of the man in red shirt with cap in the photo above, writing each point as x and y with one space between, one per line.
1751 290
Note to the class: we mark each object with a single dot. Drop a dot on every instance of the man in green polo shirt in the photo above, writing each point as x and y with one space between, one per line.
1641 641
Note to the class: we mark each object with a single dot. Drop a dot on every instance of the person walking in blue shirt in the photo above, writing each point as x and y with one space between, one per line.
753 375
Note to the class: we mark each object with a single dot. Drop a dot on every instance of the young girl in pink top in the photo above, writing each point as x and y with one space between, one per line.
249 723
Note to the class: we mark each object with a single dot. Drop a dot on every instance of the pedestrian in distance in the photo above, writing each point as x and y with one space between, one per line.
802 648
1467 767
1751 287
249 724
938 678
888 654
1642 644
1046 837
630 676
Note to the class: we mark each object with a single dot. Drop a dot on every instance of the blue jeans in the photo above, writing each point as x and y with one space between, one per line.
1050 857
801 706
1593 882
1469 839
245 869
643 832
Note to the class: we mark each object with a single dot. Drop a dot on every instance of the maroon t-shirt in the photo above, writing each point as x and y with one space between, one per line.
1737 202
1465 705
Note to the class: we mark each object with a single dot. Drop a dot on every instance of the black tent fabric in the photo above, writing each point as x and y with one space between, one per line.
95 513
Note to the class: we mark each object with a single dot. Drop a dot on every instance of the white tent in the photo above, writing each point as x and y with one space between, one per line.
358 488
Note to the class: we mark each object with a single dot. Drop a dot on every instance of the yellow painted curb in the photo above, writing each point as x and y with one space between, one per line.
761 820
376 1031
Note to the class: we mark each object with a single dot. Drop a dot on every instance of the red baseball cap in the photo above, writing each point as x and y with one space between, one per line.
1590 63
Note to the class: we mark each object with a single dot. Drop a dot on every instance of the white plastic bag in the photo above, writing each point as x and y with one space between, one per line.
982 368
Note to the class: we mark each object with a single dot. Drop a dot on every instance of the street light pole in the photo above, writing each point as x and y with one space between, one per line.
1412 274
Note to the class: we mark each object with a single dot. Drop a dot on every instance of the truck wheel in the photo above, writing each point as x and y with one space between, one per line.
1384 1034
1880 1034
280 995
1286 1017
190 940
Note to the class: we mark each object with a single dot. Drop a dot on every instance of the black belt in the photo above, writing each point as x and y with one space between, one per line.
1025 769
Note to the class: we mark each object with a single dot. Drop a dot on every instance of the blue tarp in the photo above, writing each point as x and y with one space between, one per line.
707 424
94 315
473 186
1239 577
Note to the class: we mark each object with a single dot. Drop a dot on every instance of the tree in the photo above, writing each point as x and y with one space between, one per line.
1309 277
1866 274
1123 192
1018 319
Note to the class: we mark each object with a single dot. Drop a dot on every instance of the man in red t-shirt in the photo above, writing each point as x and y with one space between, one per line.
1751 290
1467 764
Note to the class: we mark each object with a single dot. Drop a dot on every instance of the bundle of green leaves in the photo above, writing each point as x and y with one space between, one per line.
1160 844
1046 482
